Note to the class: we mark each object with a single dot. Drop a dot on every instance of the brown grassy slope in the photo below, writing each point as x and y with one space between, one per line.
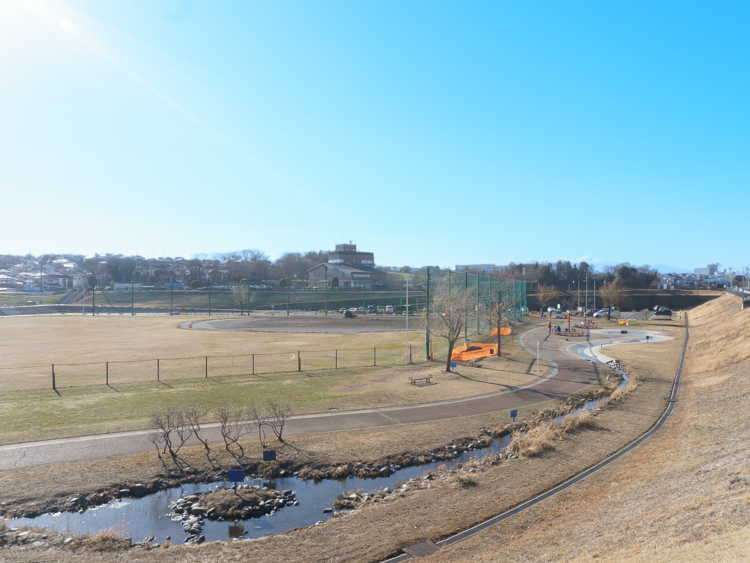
682 496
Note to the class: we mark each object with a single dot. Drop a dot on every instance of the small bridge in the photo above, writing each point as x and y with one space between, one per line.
743 294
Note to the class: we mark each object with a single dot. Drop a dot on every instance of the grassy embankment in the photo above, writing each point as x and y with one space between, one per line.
682 496
31 410
259 299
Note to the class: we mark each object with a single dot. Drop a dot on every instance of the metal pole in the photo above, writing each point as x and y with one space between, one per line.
408 348
299 362
171 290
106 376
316 299
209 299
477 314
336 365
427 320
287 298
594 294
466 311
326 292
248 299
364 311
374 357
53 376
132 299
253 364
157 370
93 300
206 366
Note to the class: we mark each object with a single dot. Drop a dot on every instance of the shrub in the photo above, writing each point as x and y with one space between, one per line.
285 282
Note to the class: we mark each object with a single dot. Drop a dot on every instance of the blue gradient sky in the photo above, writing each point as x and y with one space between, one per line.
427 132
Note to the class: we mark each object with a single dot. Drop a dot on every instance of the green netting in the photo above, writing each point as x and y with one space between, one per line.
480 289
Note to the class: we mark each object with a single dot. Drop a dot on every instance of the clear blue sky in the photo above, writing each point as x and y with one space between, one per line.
427 132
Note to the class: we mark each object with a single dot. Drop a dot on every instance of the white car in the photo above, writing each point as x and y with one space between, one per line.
388 309
556 314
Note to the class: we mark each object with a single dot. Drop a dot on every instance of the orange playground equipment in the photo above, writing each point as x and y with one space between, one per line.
504 331
473 352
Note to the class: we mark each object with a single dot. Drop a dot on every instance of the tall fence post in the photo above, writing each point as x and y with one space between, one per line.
53 376
157 370
206 366
409 354
106 372
299 362
253 364
335 365
374 357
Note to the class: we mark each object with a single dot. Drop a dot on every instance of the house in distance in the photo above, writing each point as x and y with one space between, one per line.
352 269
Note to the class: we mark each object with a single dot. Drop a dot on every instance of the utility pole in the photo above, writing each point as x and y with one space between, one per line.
287 297
326 293
364 311
171 290
407 320
594 294
427 320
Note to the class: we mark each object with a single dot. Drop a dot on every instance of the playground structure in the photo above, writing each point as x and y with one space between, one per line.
471 351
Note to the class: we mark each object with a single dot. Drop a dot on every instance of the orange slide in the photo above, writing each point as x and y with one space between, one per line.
473 351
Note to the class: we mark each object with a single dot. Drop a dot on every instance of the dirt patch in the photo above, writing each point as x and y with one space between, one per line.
336 324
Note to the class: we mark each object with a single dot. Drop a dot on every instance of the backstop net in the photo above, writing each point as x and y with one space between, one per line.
482 293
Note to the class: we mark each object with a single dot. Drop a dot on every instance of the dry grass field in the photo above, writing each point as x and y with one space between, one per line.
375 531
38 412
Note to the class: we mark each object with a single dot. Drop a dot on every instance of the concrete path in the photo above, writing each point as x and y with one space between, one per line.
568 374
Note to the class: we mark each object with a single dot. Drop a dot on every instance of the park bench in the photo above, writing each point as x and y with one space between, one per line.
414 380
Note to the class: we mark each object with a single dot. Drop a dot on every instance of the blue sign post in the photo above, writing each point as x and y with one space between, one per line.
269 455
453 364
513 415
236 476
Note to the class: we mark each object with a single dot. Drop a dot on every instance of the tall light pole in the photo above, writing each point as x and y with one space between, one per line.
407 320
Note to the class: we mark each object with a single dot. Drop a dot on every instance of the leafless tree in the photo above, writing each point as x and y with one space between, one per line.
449 316
259 419
194 415
494 311
170 429
611 294
232 425
279 413
546 294
241 296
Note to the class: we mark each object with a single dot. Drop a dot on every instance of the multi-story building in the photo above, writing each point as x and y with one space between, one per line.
350 267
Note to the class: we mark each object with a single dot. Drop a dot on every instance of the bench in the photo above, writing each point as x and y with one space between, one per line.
414 380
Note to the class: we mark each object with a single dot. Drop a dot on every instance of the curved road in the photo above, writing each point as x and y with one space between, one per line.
568 374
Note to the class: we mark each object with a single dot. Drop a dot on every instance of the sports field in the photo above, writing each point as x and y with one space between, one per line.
83 404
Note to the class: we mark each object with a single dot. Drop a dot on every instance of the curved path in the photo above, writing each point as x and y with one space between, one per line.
568 374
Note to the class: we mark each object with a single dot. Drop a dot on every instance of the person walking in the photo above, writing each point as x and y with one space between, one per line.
549 327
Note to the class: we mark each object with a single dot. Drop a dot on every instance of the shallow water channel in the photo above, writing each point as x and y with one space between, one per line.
152 515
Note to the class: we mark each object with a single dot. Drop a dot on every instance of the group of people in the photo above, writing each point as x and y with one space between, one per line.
550 328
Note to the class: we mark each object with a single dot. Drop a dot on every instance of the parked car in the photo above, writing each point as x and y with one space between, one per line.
389 309
601 313
372 309
556 314
381 309
660 310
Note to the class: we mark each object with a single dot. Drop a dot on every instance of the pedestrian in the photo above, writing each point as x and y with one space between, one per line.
549 327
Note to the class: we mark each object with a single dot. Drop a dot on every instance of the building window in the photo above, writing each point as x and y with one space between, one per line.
336 261
367 261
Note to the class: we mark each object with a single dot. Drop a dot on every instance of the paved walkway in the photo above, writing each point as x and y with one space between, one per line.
568 374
